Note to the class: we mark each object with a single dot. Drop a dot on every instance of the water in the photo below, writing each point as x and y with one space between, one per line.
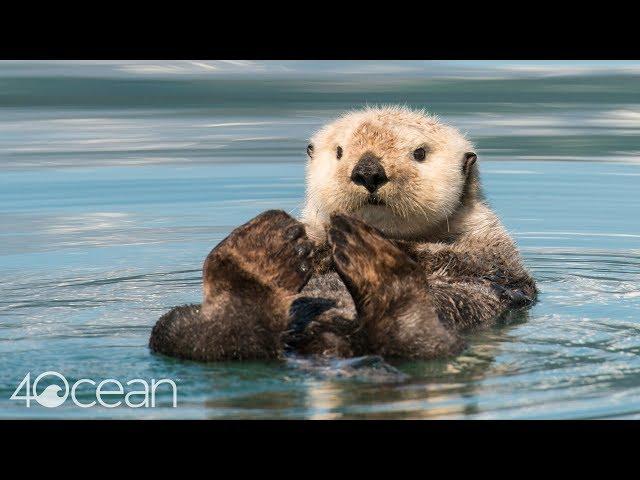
117 178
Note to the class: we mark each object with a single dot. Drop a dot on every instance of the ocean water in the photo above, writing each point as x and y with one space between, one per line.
117 178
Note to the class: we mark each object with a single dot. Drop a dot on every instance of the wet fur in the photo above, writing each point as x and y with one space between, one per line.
335 285
407 300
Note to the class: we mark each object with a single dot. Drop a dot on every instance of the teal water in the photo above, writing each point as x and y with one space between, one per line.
117 178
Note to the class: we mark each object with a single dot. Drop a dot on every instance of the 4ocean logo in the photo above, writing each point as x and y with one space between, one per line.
49 397
109 393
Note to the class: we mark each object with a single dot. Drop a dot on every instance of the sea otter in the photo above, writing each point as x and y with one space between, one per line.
396 253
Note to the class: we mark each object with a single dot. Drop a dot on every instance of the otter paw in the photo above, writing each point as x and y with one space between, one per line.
273 248
374 270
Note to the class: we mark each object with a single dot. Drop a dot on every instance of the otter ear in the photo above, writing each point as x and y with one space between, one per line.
310 150
468 161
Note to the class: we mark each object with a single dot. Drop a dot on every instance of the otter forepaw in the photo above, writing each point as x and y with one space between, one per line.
390 291
372 268
274 248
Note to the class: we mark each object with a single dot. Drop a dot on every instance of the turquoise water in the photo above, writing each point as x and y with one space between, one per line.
117 178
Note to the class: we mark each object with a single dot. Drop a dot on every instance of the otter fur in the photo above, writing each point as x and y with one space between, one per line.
396 254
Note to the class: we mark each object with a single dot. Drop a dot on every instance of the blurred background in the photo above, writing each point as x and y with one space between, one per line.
118 177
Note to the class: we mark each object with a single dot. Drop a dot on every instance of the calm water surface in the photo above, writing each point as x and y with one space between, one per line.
118 178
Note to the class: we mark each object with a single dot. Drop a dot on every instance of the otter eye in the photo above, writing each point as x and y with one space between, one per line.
310 149
419 154
339 153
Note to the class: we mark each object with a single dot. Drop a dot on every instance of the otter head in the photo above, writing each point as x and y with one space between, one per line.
399 170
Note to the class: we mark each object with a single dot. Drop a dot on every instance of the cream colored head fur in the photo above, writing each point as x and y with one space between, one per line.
419 195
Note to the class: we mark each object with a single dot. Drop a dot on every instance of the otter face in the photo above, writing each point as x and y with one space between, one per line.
399 170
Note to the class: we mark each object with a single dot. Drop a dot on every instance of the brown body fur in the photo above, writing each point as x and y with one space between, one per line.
337 286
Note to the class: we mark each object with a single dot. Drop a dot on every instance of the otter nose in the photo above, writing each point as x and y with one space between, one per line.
369 172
